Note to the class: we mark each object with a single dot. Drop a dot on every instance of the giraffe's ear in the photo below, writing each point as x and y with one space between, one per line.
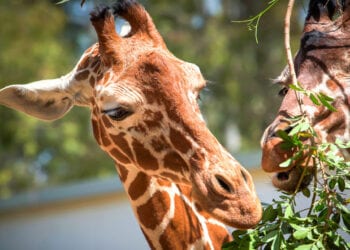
46 99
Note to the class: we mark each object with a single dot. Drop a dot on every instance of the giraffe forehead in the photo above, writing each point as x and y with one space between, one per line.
117 93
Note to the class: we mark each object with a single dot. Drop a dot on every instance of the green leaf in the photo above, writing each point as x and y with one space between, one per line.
332 183
288 212
306 192
301 233
325 102
295 87
286 163
314 99
336 218
270 236
276 243
346 220
269 214
341 184
296 227
304 247
342 144
325 97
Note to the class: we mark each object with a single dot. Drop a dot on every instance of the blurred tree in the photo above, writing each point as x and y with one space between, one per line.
40 39
34 153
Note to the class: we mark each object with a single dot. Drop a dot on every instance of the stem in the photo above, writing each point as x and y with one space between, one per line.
302 175
314 190
287 40
328 194
288 50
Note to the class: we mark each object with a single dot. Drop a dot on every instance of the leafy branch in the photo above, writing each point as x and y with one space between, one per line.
253 22
323 224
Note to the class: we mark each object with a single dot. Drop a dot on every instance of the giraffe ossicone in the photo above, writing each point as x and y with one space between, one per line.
322 66
182 184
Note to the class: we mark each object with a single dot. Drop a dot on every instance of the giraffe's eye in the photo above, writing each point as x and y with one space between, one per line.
118 113
283 91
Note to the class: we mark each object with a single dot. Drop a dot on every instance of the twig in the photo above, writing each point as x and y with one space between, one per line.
288 50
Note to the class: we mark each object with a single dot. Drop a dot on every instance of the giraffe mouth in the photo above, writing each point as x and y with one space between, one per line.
289 180
285 178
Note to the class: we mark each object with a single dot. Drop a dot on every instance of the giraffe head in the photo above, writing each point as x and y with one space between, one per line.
322 66
145 114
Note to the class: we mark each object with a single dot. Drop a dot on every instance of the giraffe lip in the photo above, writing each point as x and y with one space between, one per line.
288 180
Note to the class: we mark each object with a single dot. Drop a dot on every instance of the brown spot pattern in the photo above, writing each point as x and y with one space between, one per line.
82 75
138 186
153 211
183 229
179 140
153 119
218 235
122 144
123 172
96 131
332 85
106 122
172 177
139 128
95 66
144 157
119 156
175 162
163 182
159 144
92 81
104 137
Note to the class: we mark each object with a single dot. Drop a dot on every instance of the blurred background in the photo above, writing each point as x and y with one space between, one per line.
42 39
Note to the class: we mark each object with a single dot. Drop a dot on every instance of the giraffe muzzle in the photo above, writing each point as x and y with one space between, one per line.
221 194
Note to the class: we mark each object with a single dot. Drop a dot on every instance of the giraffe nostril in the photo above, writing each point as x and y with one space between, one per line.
283 176
244 176
223 184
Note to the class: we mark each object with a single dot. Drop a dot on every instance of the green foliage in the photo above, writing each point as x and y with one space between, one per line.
325 222
33 153
317 98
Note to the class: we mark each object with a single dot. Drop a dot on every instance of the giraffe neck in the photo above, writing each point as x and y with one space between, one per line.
167 215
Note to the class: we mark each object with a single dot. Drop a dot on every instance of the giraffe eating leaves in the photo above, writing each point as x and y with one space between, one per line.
184 187
322 66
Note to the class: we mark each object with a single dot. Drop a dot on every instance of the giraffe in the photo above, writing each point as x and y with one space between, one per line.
183 186
321 65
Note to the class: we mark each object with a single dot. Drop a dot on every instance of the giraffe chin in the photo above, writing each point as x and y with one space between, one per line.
223 200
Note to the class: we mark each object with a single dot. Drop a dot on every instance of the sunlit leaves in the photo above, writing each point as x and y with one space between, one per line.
327 219
318 98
